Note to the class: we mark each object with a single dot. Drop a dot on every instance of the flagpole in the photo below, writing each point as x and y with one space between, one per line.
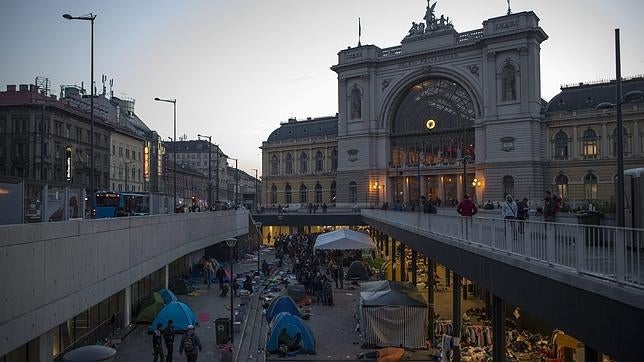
359 32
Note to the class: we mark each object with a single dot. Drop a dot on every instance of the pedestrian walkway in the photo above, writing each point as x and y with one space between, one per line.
207 305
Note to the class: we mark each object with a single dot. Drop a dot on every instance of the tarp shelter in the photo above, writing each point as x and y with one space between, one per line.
180 286
357 271
344 240
293 325
147 314
283 303
168 296
392 314
180 314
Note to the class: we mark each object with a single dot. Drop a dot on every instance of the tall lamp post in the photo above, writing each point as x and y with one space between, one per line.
256 197
174 148
231 242
89 17
629 97
258 225
209 168
236 179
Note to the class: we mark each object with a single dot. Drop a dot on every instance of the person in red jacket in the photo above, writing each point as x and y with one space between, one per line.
467 207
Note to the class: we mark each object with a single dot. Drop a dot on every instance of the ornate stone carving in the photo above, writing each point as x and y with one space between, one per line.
431 24
474 69
385 84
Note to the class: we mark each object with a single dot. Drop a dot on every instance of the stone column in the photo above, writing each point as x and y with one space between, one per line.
604 144
414 267
167 276
575 152
127 308
456 316
46 345
430 298
498 329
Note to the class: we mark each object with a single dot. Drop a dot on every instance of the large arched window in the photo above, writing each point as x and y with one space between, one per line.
625 143
590 144
304 163
273 194
356 104
561 146
353 191
288 167
590 186
287 192
274 165
333 192
561 181
508 185
318 193
334 160
428 124
508 83
319 162
303 194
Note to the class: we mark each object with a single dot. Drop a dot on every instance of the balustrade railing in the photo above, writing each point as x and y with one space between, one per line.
610 253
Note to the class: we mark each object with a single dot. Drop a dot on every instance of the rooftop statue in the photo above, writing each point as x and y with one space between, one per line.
431 22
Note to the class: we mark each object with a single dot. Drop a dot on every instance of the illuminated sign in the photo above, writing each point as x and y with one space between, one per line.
146 163
68 163
430 124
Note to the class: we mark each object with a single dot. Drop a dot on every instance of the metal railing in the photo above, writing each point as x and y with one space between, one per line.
610 253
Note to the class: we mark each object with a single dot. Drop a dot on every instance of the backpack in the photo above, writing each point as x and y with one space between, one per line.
188 345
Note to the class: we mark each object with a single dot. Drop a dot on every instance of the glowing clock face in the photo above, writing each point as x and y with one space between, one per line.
430 124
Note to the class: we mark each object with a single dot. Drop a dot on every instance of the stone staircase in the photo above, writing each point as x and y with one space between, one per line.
252 340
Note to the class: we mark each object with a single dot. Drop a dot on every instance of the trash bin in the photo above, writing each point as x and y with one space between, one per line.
222 330
589 217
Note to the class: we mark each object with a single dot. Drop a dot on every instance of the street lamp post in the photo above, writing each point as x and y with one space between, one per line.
236 180
174 148
231 242
209 168
256 197
258 225
629 97
89 17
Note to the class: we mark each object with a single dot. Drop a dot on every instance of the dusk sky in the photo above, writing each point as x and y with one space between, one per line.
239 68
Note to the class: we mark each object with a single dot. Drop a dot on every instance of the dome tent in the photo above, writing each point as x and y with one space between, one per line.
283 303
292 325
180 314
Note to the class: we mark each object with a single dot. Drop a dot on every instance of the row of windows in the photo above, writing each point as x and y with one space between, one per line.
127 153
589 144
303 163
303 194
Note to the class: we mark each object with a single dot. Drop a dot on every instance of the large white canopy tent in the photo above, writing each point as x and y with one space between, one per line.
344 240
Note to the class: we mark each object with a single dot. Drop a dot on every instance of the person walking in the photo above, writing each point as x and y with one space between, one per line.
522 213
190 344
168 338
548 207
509 208
156 344
220 274
341 276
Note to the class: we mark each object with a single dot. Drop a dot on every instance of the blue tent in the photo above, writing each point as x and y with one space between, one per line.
181 316
283 303
168 296
293 325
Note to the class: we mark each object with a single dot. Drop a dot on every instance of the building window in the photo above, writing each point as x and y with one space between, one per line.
334 160
121 151
319 162
625 144
509 83
561 146
590 186
288 166
508 185
274 165
304 163
273 194
356 104
303 194
287 192
353 192
561 181
590 144
333 192
318 193
127 153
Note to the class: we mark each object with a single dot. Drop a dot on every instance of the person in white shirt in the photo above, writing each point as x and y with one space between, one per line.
509 208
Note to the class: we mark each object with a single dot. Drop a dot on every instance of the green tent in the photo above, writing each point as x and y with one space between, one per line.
149 312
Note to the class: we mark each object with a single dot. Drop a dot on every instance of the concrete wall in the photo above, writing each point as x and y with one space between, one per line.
53 271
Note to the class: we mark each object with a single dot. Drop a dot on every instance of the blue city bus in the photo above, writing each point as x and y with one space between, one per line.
117 204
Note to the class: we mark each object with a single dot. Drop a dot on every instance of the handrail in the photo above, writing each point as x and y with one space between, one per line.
609 253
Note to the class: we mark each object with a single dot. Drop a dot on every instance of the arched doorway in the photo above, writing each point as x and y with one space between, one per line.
432 131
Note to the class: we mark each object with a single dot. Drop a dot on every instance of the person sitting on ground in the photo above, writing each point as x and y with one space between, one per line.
296 345
284 338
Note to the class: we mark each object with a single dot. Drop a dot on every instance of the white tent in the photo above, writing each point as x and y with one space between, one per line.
344 240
